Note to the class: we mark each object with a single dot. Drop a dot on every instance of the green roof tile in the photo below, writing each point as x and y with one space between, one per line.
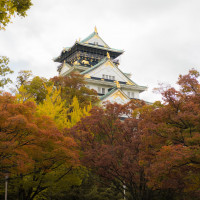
87 38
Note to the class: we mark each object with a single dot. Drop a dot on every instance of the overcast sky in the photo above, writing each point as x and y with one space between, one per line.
161 38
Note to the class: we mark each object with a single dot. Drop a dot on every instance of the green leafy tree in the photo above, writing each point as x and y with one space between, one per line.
31 88
9 8
23 77
92 187
4 71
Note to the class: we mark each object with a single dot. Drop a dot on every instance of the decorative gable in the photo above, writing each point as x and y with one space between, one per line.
117 96
108 70
95 39
65 67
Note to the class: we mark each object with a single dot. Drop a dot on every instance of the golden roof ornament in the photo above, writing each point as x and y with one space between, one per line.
76 63
129 83
117 83
108 55
64 64
87 76
95 29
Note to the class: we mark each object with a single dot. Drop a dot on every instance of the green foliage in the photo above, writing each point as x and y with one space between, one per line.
91 188
31 89
4 71
22 95
23 77
9 8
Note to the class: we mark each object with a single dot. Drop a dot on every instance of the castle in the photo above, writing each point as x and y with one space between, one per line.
98 62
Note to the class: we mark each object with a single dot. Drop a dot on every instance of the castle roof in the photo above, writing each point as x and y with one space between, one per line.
93 41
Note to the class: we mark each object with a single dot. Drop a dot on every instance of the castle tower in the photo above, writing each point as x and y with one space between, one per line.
94 59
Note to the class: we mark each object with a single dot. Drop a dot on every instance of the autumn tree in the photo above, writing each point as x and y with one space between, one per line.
10 8
34 153
75 85
171 139
110 147
15 123
54 107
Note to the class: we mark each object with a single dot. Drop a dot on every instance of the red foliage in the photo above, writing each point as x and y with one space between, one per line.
29 142
110 146
171 137
74 85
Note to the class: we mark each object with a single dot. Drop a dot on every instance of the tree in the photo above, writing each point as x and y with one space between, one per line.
74 85
75 113
31 88
111 148
54 107
34 153
171 140
9 8
4 71
23 77
15 123
91 188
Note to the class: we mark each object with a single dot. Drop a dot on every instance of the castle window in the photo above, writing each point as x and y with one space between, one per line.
108 77
99 90
129 94
132 94
103 90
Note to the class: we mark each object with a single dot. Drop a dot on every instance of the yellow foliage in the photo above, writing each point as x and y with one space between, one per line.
22 95
10 8
54 107
77 113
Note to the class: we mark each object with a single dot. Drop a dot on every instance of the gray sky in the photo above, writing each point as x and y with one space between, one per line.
161 38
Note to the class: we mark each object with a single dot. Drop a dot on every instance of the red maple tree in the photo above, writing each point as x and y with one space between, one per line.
171 138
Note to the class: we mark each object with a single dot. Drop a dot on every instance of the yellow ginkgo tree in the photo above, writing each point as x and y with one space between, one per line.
54 107
77 113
